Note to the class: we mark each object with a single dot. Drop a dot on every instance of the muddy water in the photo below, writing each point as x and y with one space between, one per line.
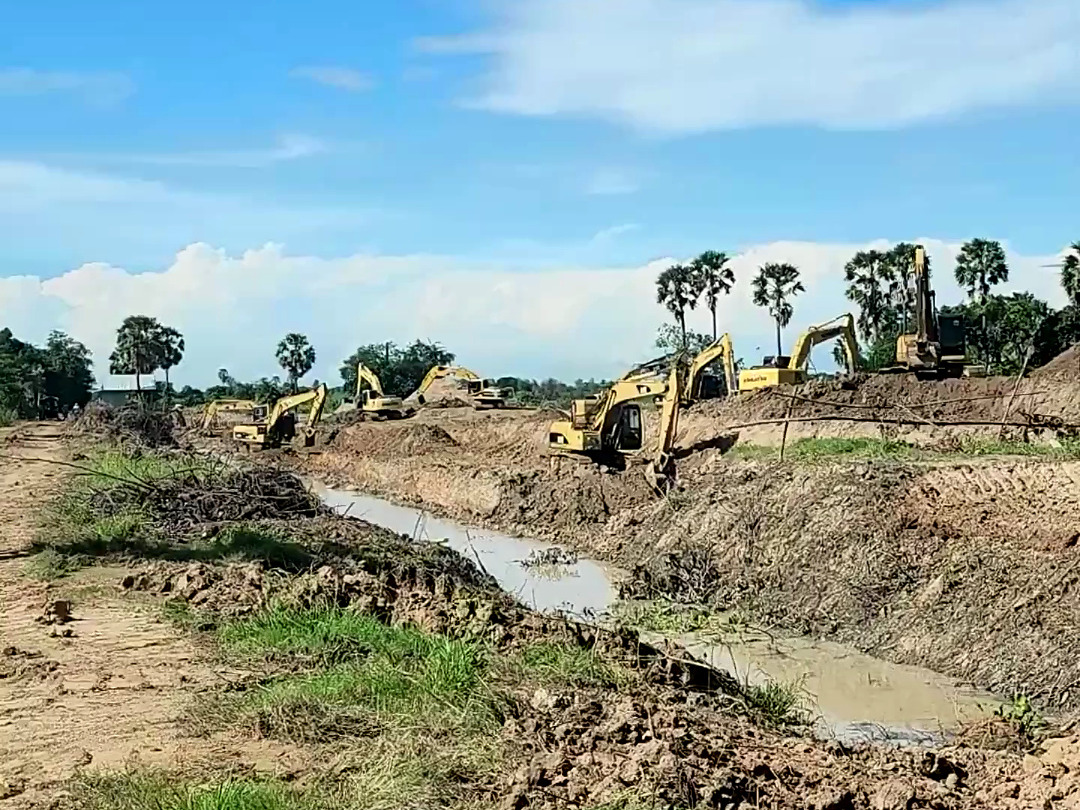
851 697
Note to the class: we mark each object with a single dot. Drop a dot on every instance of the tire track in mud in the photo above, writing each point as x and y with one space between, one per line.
110 695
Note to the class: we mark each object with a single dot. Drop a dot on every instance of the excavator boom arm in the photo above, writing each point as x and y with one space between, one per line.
367 375
437 372
721 349
842 327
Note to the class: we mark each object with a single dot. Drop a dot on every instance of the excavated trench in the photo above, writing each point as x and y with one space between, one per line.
852 697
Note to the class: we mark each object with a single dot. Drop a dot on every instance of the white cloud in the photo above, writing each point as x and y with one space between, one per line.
93 87
607 235
680 66
610 181
342 78
287 148
562 321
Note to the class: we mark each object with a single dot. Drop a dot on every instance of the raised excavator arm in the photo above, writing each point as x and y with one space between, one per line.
438 372
842 327
367 375
278 425
212 409
720 349
793 371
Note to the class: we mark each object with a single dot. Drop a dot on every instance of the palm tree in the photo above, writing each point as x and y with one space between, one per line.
773 286
171 347
869 274
296 356
137 349
1070 274
678 288
901 260
980 265
715 277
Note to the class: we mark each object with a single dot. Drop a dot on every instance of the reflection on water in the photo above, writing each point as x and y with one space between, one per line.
854 697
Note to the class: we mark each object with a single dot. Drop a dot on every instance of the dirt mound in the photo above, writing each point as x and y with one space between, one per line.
393 440
1064 367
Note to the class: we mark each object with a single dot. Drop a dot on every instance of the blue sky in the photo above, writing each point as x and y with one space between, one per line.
525 136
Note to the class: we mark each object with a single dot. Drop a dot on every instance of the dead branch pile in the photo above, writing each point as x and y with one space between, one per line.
202 493
132 425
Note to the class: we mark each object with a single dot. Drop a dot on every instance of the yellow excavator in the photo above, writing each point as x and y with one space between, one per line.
792 370
482 393
937 348
610 425
371 400
273 426
212 409
722 350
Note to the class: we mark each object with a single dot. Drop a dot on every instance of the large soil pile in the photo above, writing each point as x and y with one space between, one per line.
1064 367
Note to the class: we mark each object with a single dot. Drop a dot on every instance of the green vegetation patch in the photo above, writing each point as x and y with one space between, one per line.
370 677
664 616
155 791
817 449
568 664
775 703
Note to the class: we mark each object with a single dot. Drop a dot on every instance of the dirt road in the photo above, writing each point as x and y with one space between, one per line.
103 690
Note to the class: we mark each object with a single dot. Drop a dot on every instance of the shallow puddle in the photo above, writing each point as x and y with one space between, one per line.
852 697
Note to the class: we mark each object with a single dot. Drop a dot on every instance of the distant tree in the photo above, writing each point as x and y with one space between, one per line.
670 340
774 286
980 265
400 369
869 275
714 277
138 348
296 355
678 288
1070 274
223 376
69 371
171 348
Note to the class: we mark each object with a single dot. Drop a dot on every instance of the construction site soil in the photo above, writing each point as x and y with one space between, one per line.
677 735
966 564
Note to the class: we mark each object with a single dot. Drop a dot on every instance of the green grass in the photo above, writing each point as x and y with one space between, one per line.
50 564
810 450
370 678
663 616
7 417
775 703
568 664
154 791
109 468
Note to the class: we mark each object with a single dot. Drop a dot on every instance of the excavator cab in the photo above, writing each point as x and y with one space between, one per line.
627 434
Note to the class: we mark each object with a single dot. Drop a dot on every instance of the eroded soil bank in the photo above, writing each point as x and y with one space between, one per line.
962 562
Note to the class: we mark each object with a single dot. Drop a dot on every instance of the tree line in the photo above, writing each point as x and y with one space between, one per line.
1005 333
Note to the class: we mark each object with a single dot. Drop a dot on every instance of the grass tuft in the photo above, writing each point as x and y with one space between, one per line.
664 616
775 703
49 565
569 664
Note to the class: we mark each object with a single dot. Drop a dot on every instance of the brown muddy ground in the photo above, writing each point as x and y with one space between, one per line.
104 689
965 565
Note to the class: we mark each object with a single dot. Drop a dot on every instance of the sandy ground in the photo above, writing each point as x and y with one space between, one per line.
104 690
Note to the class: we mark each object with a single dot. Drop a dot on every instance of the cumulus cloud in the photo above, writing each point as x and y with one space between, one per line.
679 66
340 77
561 321
93 87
